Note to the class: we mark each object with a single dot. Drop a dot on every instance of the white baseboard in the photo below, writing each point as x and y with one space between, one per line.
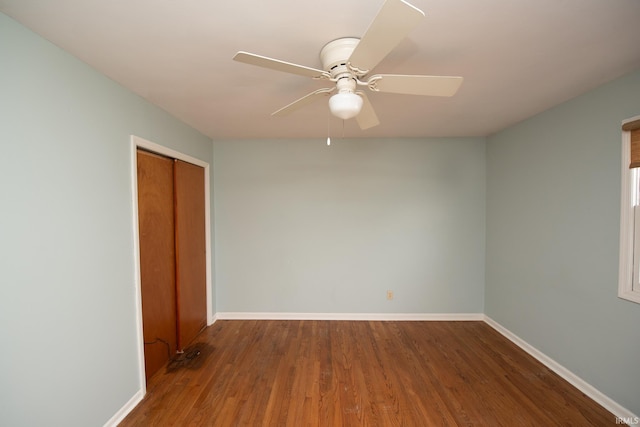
124 411
350 316
619 411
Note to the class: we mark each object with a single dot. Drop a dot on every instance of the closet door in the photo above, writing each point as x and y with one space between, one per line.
157 259
190 251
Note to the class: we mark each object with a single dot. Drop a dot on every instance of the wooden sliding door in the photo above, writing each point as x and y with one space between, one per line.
171 220
191 251
157 259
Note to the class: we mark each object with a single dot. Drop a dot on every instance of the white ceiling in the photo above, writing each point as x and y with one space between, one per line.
518 58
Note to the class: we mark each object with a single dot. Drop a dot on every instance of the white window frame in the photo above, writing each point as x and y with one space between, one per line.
629 273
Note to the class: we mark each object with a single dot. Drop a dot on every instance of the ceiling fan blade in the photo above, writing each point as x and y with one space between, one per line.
278 65
415 85
394 22
367 117
307 99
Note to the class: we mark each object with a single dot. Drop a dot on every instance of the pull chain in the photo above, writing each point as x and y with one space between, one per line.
328 129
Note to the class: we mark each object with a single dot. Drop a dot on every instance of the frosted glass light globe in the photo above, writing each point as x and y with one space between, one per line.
345 105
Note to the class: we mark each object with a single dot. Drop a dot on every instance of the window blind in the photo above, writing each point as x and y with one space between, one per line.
634 128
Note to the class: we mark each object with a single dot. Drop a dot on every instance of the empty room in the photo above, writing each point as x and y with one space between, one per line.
337 213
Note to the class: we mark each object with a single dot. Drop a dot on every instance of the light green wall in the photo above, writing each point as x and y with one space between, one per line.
302 227
67 316
553 218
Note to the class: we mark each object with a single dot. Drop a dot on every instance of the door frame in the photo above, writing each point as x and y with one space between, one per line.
137 142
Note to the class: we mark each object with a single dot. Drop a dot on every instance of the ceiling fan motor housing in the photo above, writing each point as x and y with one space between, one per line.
335 55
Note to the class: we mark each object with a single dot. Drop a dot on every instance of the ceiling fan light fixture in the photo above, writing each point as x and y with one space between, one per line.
345 105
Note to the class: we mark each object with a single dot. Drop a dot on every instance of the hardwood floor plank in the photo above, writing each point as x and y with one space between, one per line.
359 373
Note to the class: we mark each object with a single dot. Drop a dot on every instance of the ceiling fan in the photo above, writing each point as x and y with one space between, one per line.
348 61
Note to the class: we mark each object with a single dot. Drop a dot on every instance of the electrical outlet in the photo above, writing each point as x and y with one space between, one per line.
389 295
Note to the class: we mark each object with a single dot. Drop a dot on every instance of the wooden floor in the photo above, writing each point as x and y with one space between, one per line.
343 373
